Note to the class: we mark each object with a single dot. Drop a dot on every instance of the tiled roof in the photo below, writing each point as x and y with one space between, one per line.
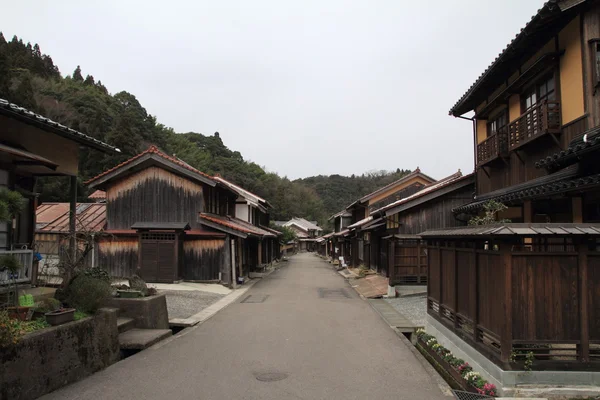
550 185
512 229
342 233
241 191
98 195
548 7
27 116
589 142
303 224
360 223
455 177
153 150
343 213
236 224
405 178
91 217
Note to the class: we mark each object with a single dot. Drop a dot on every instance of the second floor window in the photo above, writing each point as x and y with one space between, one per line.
543 91
496 123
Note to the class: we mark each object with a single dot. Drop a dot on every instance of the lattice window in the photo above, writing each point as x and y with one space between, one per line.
162 236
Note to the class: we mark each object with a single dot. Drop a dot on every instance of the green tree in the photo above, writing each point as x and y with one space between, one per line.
491 209
77 77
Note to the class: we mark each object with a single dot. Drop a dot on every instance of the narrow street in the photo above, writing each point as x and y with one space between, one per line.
301 333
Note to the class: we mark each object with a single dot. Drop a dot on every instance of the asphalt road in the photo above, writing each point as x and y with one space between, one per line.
307 333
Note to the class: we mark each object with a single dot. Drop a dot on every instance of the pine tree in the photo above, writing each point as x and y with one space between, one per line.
77 77
89 80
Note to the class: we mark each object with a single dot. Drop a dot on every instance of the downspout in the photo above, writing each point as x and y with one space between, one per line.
474 145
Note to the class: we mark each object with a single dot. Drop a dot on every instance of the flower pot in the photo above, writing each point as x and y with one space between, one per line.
456 376
19 313
60 317
129 294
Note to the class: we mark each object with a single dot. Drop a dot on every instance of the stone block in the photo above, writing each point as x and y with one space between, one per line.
148 312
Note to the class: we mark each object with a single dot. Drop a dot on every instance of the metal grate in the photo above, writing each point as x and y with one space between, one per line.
255 299
158 236
462 395
333 293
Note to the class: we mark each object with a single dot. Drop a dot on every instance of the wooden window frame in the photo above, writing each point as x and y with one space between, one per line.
492 120
594 46
535 84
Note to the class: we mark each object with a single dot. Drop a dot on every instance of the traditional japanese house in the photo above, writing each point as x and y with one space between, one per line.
52 235
168 221
403 253
337 244
362 223
307 232
254 210
32 146
528 290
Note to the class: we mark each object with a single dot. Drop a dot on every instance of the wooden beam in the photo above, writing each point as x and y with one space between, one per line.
583 302
72 218
474 292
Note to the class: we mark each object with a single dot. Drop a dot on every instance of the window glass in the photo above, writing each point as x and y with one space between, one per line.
3 177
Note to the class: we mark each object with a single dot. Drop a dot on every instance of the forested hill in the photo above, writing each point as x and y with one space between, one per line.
30 79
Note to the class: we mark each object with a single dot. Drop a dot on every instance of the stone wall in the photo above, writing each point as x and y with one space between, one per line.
49 359
148 312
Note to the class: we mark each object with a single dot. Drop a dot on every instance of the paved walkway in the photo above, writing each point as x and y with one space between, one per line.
301 333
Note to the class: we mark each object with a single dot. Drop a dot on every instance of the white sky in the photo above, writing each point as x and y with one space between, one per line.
305 87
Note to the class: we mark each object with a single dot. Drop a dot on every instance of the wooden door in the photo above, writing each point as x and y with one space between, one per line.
158 261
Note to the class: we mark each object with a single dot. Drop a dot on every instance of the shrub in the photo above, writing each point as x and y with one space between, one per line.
10 330
87 294
47 305
97 273
137 283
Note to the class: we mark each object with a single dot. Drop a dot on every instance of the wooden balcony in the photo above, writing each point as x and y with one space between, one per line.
540 120
493 147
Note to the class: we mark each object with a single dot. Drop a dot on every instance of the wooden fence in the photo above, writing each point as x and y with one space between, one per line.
512 304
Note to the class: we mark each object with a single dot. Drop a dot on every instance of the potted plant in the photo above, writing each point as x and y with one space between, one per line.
129 293
11 264
60 316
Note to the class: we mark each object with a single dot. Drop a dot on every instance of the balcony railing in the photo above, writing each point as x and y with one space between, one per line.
538 121
24 274
493 146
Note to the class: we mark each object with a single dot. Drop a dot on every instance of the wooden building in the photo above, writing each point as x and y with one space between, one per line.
529 289
52 235
362 222
306 231
168 221
403 255
32 146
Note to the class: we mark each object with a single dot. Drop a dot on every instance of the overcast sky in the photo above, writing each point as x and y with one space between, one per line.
302 88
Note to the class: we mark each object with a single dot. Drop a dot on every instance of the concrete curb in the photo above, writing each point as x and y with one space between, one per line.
442 384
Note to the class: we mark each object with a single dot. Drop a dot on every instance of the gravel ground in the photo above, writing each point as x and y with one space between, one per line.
185 303
412 307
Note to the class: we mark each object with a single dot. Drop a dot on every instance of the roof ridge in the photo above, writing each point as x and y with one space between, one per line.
417 171
150 150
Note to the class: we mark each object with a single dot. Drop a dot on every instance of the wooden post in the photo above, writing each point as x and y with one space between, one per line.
527 217
259 252
240 257
577 210
233 277
474 293
583 302
506 337
455 305
441 303
392 261
419 277
72 217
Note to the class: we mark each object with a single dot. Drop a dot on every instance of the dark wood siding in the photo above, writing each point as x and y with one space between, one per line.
153 195
435 214
203 259
118 255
